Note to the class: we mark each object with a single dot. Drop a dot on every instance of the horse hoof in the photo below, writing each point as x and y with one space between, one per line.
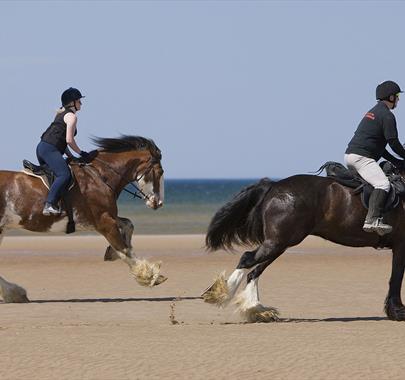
110 254
147 274
12 293
395 310
161 279
22 299
218 292
396 313
260 314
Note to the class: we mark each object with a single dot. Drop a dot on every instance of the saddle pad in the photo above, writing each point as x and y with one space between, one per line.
45 180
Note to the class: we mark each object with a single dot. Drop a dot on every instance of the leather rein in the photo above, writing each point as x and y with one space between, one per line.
138 193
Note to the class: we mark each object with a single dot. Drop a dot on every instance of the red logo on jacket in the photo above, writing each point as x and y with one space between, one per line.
369 115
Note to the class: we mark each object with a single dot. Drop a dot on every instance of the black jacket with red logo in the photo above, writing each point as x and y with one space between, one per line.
377 128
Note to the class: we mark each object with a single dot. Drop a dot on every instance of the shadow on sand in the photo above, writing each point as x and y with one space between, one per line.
313 320
340 319
108 300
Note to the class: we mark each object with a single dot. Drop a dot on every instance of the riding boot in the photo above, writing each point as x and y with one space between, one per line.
374 219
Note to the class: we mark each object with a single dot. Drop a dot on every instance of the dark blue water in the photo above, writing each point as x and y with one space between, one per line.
188 208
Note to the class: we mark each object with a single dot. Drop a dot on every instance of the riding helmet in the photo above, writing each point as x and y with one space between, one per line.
70 95
385 89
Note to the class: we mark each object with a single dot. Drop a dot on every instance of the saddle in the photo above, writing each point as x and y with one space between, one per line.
47 177
44 174
350 178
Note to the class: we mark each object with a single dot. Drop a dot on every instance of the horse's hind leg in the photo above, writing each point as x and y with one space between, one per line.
126 229
11 293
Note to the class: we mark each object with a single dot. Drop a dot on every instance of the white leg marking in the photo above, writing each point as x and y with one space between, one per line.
234 281
249 297
248 304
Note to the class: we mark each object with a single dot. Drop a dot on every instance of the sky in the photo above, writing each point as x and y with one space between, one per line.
226 89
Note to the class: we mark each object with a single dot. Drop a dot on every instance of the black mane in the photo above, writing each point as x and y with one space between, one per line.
125 143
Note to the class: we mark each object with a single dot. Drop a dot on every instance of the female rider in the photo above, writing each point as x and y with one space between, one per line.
54 143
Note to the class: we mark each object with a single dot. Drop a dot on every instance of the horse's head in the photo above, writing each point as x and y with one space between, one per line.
151 183
138 161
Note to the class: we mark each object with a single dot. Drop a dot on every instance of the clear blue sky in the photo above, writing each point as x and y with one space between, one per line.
227 89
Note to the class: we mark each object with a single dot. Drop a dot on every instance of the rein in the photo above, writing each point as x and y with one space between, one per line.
138 193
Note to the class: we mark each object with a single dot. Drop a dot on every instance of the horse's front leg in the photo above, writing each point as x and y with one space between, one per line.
145 273
394 307
222 291
126 229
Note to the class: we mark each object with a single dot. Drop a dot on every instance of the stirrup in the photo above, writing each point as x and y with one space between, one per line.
49 209
378 226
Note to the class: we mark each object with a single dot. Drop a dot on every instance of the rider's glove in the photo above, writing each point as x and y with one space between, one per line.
84 155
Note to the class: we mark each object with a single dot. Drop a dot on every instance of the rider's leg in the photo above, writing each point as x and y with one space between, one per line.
54 160
373 174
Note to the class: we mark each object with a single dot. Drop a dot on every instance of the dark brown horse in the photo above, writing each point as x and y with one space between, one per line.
274 216
117 163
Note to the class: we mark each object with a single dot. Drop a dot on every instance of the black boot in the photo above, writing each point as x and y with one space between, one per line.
374 221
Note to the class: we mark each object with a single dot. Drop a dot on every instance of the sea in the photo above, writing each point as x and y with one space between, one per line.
188 207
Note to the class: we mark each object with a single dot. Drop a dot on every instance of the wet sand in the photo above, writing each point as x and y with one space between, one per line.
89 319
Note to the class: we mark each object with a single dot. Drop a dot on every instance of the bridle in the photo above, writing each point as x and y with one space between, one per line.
138 193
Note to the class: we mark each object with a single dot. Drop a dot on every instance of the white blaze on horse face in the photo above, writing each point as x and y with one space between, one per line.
147 189
153 198
161 191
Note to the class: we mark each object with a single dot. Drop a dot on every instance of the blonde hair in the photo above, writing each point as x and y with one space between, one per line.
60 110
63 108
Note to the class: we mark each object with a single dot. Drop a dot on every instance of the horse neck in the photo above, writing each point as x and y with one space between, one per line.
120 168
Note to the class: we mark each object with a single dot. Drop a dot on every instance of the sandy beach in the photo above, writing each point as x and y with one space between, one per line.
89 319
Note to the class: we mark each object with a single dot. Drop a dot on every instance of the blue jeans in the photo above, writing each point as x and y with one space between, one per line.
50 156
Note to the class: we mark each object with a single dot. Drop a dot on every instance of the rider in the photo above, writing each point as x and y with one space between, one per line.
54 143
377 128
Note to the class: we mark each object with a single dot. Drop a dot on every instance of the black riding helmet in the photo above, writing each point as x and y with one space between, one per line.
385 89
70 95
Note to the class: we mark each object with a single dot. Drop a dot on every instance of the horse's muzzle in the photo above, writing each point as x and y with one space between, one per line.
154 202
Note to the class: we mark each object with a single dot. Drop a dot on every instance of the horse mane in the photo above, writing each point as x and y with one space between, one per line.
126 143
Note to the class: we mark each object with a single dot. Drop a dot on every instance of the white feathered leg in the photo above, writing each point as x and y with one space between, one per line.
221 292
249 306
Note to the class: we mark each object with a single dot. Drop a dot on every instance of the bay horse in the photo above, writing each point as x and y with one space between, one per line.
116 163
273 216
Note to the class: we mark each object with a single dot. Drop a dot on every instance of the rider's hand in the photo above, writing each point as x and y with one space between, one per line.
85 155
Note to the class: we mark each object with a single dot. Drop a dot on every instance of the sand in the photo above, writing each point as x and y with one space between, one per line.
89 319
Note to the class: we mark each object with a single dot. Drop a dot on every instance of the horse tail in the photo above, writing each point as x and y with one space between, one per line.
240 220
